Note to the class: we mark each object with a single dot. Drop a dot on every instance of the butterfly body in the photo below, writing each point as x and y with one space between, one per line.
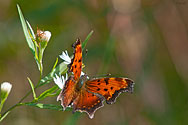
87 95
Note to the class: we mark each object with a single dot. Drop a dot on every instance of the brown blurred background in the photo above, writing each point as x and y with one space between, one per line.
145 40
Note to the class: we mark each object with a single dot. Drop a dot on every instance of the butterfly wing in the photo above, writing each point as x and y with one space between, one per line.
110 88
87 102
76 63
68 93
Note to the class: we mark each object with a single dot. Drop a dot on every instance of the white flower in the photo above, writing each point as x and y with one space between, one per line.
60 80
6 87
82 73
65 57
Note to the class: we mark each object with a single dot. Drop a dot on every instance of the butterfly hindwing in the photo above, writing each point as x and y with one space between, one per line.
87 102
76 63
68 93
110 88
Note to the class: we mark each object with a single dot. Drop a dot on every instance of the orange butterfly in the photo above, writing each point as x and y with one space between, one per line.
87 95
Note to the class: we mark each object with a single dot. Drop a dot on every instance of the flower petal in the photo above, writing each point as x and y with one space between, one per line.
65 57
82 73
66 77
58 81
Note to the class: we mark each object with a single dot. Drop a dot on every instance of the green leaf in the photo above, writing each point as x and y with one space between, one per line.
47 93
26 33
55 64
31 30
32 35
28 36
86 40
32 87
45 106
56 93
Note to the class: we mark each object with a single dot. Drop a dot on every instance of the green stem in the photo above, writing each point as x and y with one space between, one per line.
11 108
40 59
1 105
25 96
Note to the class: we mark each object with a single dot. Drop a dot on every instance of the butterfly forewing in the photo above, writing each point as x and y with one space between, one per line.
76 63
110 88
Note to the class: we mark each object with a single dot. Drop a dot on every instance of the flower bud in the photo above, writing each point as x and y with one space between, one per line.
6 87
46 36
43 35
5 90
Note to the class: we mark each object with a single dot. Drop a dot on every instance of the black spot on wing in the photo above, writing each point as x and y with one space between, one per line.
105 89
106 81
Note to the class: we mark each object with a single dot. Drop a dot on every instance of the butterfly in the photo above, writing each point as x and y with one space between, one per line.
87 95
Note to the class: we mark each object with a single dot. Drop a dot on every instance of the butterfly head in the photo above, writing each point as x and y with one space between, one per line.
83 79
81 82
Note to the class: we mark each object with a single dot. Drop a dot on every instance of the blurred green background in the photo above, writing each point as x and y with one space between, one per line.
145 40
